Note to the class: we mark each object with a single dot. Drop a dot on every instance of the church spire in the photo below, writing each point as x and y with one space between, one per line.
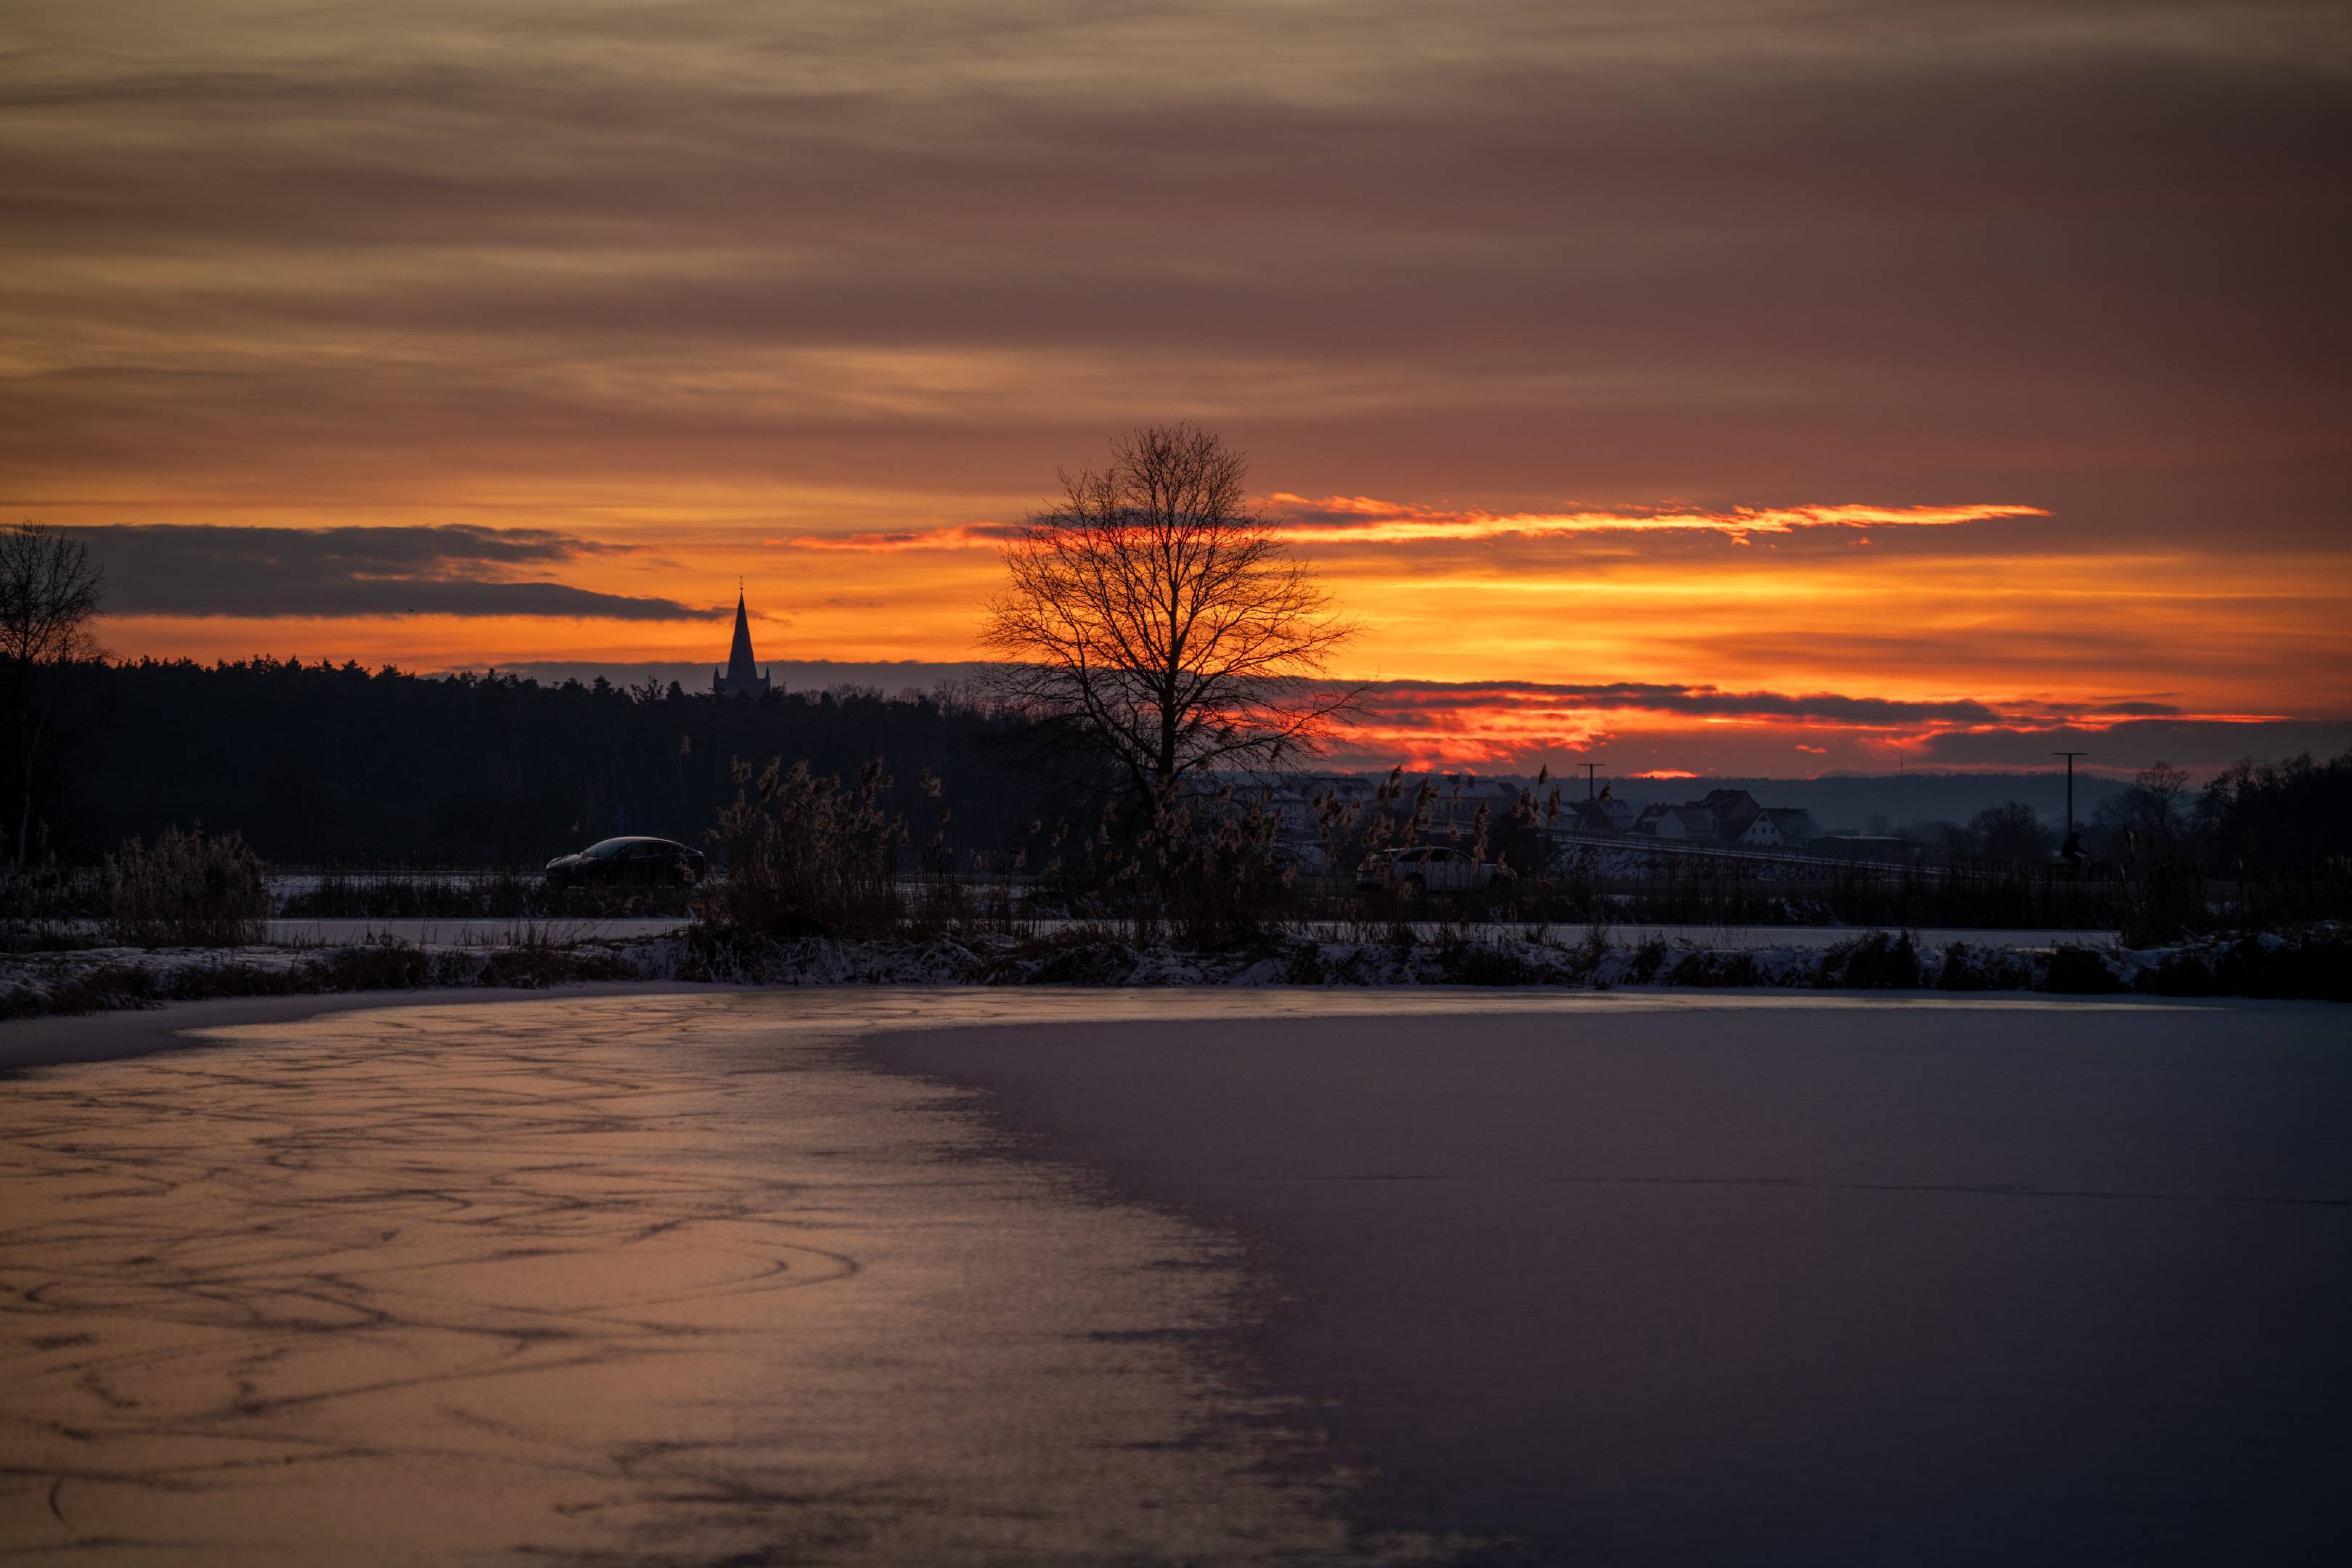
742 678
738 657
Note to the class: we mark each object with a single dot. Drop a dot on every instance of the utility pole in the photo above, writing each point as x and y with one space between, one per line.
1589 769
2069 757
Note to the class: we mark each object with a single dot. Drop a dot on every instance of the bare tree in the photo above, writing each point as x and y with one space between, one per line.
49 591
1154 613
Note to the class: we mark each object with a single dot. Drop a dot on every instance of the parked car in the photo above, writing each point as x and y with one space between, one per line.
630 863
1432 871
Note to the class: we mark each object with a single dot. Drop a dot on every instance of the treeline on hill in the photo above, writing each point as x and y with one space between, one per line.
314 764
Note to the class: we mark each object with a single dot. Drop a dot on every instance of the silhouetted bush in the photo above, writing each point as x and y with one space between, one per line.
1073 958
186 890
2316 966
805 856
2079 972
1215 859
1647 959
2180 974
106 988
1480 963
1956 973
1873 963
39 904
502 894
385 963
1703 969
1965 968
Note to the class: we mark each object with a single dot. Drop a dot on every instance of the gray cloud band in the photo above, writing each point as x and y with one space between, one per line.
1660 227
193 571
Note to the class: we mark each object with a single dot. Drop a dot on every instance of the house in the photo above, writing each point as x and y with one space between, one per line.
1778 828
1684 822
1604 814
1589 816
1734 810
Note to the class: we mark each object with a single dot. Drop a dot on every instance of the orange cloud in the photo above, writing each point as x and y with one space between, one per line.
1361 520
959 536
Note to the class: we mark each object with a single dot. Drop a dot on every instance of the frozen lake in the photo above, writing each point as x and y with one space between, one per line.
988 1277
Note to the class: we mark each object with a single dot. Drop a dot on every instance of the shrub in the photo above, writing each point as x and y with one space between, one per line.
2317 965
1483 964
1307 966
1212 861
1090 960
1716 969
1873 963
2079 972
2180 974
1647 960
37 902
501 894
385 963
535 965
187 890
805 856
105 988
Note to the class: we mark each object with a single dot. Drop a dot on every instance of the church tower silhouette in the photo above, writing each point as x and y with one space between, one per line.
740 678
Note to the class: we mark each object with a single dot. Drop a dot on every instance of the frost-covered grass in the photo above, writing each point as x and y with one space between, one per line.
2315 962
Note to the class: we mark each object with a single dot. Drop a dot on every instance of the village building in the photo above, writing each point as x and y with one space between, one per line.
1734 811
1583 817
1604 814
1678 822
1781 828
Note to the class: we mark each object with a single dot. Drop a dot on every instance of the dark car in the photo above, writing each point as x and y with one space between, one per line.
630 863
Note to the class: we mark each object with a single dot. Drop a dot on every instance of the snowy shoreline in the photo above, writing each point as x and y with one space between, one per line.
2317 963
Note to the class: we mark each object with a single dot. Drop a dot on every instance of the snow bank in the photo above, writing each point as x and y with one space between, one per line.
2312 963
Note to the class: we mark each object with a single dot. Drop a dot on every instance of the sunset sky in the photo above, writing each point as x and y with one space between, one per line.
1721 386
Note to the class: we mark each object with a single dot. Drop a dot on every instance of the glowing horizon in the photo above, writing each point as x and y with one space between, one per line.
1574 347
1723 601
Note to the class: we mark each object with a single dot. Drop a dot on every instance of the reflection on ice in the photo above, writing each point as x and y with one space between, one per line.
632 1279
